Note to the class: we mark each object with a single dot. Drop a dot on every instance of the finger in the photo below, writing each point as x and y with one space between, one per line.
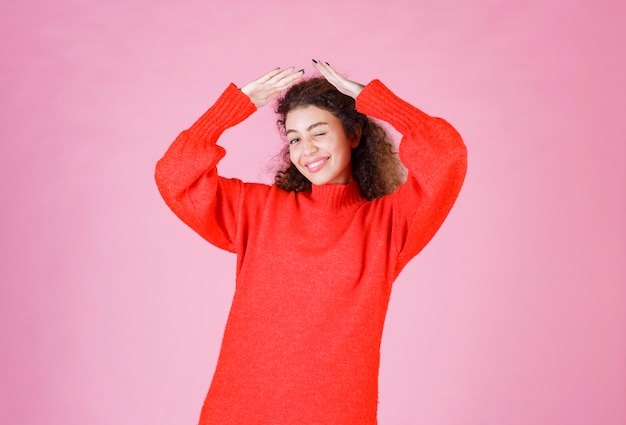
274 89
340 82
285 82
334 74
285 73
291 78
324 66
269 75
318 65
329 72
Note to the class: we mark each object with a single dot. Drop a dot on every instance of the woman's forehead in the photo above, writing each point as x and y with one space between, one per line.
305 116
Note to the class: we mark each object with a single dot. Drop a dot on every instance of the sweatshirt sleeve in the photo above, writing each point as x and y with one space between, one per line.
436 159
187 176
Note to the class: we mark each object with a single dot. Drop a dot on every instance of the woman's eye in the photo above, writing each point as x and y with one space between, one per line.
318 134
292 141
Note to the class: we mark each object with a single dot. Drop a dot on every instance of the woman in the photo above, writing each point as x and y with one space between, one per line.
318 251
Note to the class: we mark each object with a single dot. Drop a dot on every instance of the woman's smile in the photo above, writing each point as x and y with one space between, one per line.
316 164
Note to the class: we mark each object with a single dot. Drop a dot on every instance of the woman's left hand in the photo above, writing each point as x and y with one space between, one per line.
342 84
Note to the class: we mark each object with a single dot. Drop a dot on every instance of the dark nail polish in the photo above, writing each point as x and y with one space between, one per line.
314 61
327 63
302 70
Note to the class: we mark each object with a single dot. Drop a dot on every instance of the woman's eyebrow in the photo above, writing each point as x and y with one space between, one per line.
309 128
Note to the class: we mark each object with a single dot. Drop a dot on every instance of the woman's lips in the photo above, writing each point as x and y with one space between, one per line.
316 165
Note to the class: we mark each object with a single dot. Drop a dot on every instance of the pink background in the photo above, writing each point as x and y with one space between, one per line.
111 310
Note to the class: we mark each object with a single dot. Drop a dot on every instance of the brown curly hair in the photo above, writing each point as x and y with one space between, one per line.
375 163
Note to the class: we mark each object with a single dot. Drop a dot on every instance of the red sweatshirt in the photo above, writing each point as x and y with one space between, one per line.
314 269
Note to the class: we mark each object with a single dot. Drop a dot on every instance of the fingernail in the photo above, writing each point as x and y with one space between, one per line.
302 70
327 63
314 61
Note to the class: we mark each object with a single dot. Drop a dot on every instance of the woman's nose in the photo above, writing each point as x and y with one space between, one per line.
309 146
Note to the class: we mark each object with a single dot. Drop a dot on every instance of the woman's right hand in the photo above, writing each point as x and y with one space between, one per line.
262 90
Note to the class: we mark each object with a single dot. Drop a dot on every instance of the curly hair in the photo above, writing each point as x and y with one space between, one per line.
375 163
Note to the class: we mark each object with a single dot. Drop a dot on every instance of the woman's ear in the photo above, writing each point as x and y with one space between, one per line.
355 136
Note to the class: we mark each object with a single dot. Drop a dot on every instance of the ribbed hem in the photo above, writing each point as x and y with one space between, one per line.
229 109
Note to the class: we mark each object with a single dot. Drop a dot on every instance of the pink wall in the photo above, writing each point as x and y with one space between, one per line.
111 310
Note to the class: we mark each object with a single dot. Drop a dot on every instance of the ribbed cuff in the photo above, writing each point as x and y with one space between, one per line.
230 109
378 101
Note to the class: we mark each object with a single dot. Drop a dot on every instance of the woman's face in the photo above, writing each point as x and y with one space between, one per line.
319 146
